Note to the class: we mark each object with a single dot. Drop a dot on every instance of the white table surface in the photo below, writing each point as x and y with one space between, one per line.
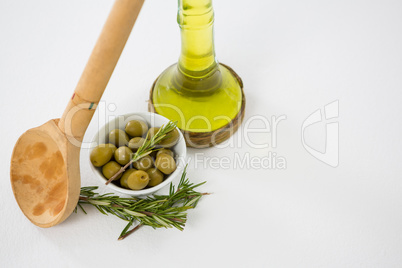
294 57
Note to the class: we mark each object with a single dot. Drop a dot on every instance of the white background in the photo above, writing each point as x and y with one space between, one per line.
294 57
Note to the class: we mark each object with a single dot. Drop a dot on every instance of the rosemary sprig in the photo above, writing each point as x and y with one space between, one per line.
157 211
147 147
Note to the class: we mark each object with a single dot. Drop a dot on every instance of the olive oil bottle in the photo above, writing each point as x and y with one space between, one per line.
202 95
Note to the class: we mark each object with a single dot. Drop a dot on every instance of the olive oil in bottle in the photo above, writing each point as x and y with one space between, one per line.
199 93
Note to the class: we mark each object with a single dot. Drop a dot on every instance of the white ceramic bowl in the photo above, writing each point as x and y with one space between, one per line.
153 120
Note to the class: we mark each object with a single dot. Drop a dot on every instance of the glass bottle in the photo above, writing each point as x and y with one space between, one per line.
202 95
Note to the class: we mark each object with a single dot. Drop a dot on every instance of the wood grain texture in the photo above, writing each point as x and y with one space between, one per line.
100 66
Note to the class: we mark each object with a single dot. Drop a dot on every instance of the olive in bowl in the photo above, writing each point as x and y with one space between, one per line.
143 177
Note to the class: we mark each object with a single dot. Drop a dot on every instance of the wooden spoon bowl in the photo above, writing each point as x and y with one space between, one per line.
45 188
45 168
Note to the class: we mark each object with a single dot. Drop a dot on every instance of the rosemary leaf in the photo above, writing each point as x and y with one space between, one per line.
135 214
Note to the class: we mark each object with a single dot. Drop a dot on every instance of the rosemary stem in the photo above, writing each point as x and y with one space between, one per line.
130 232
122 169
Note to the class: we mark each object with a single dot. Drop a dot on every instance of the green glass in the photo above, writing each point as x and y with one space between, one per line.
197 92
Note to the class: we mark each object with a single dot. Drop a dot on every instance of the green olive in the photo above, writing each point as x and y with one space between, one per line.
118 137
170 139
135 143
144 163
123 155
110 169
109 145
123 179
136 128
155 177
138 180
152 131
165 163
102 154
165 151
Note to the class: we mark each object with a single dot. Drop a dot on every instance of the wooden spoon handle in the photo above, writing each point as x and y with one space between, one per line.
99 68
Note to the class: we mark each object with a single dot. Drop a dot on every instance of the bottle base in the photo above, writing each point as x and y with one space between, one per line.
214 137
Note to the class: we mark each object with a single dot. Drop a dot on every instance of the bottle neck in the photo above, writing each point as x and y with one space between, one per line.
196 18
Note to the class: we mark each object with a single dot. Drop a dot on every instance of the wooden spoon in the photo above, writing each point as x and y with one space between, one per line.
45 168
